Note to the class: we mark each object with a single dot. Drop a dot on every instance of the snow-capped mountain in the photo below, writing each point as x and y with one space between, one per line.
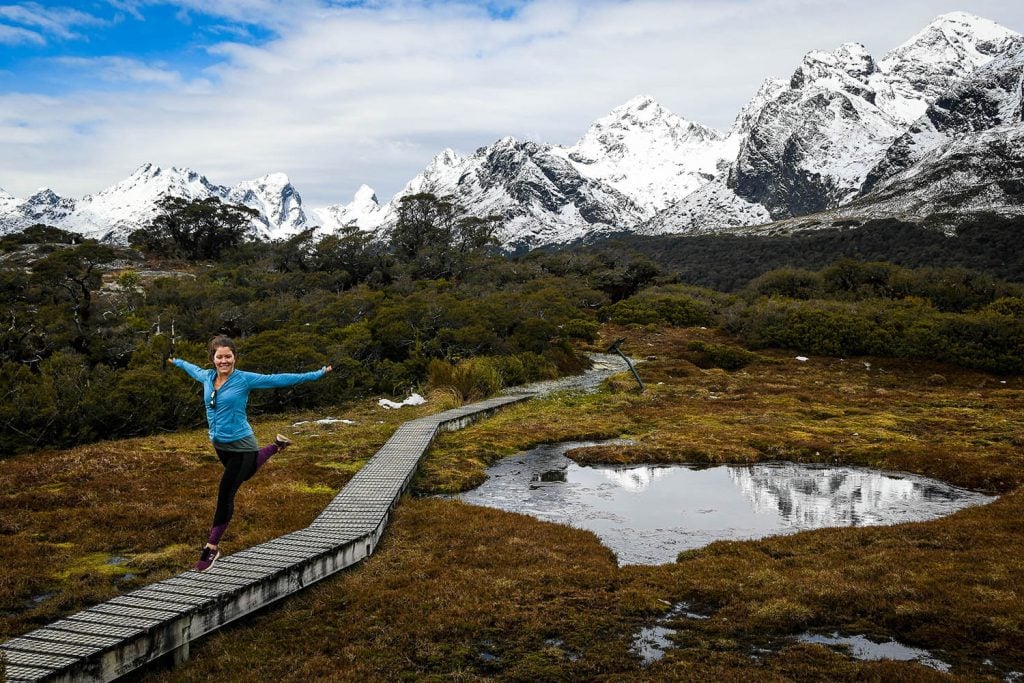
810 147
630 164
932 126
934 60
115 212
540 194
812 144
279 204
990 98
966 154
648 153
364 210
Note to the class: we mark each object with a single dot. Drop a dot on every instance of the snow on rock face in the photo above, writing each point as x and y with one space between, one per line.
991 97
16 214
983 171
710 209
115 212
7 201
441 175
539 193
960 176
277 201
364 211
810 147
847 69
131 204
648 153
813 146
931 62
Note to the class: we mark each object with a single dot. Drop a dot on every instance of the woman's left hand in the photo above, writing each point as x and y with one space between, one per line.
328 368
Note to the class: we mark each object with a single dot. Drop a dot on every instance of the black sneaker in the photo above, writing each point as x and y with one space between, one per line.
207 556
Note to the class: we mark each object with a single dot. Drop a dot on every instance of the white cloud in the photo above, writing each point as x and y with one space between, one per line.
122 70
351 95
58 22
15 35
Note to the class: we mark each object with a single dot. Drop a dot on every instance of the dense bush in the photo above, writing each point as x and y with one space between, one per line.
82 360
676 306
987 339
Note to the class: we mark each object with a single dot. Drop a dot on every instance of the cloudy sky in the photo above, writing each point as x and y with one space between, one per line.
336 94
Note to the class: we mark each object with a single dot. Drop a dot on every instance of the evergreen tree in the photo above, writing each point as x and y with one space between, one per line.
194 229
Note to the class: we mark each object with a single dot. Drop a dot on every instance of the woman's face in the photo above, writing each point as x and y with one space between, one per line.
224 360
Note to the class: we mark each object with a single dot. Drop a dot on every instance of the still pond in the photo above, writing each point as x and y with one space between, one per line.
649 514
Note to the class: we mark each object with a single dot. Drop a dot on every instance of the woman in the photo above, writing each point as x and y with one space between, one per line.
225 395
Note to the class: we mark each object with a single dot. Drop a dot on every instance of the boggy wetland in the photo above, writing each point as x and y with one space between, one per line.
463 592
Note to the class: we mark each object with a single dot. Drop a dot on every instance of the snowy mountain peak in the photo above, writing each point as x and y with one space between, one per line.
44 196
149 172
646 116
506 143
276 199
364 210
935 59
365 196
447 158
847 69
952 45
639 110
972 34
855 60
648 153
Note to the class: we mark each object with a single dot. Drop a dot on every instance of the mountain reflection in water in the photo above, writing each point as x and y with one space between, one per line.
647 515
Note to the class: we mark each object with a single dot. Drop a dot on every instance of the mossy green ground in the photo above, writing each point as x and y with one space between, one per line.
457 592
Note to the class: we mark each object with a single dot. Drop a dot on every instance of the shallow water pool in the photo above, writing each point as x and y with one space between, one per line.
649 514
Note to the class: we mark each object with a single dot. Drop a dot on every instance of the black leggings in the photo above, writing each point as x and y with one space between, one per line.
239 466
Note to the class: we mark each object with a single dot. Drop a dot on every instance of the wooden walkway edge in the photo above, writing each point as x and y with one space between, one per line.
113 638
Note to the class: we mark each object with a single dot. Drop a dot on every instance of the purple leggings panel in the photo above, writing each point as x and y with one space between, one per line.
238 469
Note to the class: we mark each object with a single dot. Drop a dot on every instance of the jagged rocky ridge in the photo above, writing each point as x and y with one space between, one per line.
115 212
932 127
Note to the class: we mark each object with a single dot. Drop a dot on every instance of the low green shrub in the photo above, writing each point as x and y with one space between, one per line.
678 310
722 356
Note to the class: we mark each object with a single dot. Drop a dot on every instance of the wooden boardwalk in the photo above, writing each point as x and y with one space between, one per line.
113 638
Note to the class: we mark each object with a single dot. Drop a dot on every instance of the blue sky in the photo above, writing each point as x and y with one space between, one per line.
336 94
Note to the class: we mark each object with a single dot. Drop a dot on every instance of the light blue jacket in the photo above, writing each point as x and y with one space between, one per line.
227 418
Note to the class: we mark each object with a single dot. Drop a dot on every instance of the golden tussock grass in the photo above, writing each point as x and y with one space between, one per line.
457 592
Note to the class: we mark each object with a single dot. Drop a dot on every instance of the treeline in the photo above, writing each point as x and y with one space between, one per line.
987 243
87 327
853 308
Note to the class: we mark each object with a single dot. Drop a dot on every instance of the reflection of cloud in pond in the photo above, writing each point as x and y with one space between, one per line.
635 478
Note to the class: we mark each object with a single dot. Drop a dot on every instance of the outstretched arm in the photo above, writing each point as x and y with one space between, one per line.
286 379
194 371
